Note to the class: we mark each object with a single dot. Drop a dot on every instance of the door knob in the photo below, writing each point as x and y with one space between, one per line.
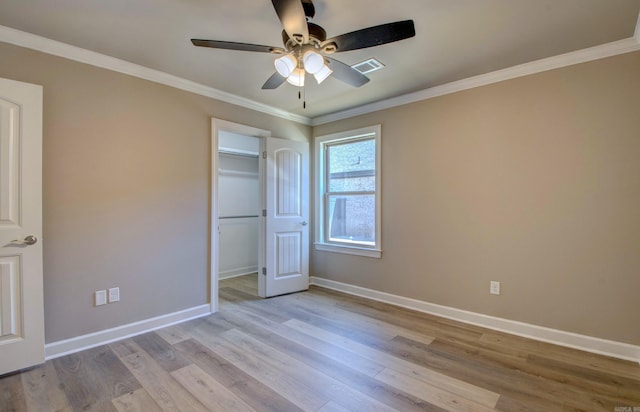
28 240
304 223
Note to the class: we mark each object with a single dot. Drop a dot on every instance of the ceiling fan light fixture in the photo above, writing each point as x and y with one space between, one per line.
296 77
323 73
286 64
313 61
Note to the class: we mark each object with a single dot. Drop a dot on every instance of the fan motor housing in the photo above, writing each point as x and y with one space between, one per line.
316 35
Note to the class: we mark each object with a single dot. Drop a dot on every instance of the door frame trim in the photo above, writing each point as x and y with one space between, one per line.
218 125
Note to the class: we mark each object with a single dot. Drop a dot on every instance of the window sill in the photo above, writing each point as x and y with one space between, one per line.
350 250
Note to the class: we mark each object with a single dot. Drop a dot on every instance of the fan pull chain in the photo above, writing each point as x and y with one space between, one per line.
302 95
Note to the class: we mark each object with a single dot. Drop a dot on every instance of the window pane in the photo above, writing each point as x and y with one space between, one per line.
352 219
352 166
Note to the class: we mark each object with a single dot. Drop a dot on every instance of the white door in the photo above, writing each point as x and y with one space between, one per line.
21 300
287 216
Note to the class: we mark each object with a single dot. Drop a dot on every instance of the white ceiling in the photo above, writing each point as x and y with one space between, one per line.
455 39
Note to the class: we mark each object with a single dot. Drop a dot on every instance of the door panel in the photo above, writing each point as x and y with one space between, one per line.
21 296
287 205
9 164
289 252
288 166
10 307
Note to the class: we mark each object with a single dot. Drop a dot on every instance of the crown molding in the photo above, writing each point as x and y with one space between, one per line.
563 60
56 48
45 45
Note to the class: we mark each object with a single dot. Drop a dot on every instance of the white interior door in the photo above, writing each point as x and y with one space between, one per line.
21 299
287 216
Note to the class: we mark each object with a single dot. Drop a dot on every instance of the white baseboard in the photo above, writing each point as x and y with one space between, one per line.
65 347
234 273
569 339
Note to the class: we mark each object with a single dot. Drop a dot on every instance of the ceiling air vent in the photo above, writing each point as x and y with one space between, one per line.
368 66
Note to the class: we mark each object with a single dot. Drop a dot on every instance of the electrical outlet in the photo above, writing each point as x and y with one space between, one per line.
494 287
114 295
101 297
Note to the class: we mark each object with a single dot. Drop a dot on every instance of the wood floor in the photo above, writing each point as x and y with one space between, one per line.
323 351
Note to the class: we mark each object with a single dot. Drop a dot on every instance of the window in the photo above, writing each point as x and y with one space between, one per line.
348 192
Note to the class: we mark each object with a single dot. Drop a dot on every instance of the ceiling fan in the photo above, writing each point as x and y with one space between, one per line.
307 49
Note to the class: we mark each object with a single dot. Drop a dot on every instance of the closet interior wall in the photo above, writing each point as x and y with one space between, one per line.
239 205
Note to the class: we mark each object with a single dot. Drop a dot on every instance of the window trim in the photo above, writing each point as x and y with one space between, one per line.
321 142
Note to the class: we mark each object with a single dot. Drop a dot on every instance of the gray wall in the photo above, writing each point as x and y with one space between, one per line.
126 166
534 182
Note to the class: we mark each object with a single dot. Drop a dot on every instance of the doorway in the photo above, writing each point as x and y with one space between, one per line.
283 213
239 212
235 159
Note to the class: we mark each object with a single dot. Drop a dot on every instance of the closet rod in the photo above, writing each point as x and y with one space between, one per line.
226 152
237 217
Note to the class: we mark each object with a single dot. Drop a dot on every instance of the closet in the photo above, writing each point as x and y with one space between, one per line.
238 204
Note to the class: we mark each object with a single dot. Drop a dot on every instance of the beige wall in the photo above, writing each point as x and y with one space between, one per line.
534 182
126 166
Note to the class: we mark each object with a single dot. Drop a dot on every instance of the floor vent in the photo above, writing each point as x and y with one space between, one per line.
368 66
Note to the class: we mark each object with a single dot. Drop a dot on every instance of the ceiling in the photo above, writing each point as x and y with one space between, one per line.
455 39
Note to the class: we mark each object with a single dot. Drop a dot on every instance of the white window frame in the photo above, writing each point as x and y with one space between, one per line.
321 242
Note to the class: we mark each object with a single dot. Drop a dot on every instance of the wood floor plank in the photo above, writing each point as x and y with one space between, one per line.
600 385
302 396
429 324
444 357
136 401
208 391
247 283
235 294
332 389
430 393
354 361
93 377
174 334
162 352
12 397
256 394
340 368
43 389
327 308
377 328
514 378
323 350
161 386
597 362
333 407
426 375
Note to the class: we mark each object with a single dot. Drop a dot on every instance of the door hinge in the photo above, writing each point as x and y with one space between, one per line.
264 212
264 154
264 271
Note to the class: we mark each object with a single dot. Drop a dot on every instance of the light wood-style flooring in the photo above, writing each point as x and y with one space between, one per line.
323 351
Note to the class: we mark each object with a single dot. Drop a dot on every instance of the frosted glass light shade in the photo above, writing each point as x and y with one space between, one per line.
296 78
286 64
323 73
313 62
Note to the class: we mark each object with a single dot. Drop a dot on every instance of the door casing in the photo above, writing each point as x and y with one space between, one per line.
218 125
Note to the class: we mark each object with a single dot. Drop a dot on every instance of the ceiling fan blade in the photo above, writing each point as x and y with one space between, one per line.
273 82
346 73
229 45
373 36
292 16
